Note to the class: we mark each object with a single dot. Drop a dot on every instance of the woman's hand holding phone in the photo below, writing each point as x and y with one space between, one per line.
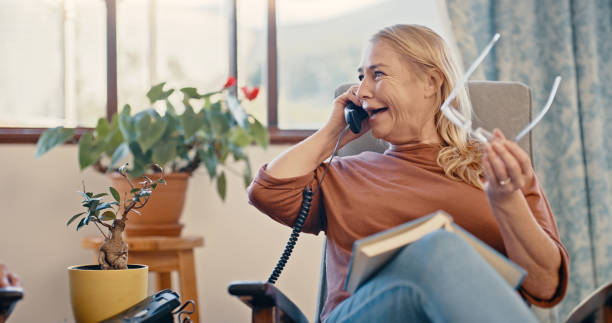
337 121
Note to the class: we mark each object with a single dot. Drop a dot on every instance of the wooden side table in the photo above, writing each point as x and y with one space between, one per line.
163 255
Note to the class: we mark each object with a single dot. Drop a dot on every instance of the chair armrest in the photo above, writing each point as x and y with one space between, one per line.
9 296
261 295
597 307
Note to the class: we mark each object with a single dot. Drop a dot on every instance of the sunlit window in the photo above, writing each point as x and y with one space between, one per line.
181 42
32 63
252 51
53 54
320 44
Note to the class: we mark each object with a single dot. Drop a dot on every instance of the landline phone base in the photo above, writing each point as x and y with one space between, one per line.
157 308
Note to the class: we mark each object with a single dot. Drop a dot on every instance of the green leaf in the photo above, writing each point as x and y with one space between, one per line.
161 180
190 122
51 138
87 197
105 206
210 161
115 194
81 223
142 161
74 217
119 153
222 185
240 137
108 215
149 128
260 133
90 150
114 138
173 124
223 150
247 176
164 152
157 93
126 124
99 195
102 128
189 93
209 94
220 121
134 190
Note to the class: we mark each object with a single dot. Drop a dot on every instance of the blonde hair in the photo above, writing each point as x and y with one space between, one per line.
459 156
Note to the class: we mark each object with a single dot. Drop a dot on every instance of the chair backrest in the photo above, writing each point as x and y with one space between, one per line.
503 105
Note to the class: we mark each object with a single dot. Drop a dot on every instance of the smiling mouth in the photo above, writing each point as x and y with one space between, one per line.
375 111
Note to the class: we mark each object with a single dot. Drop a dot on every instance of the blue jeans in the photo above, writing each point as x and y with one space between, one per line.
439 278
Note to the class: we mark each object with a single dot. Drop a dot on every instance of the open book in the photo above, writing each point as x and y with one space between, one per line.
372 252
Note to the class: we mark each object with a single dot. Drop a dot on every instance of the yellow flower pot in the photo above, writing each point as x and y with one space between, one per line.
99 294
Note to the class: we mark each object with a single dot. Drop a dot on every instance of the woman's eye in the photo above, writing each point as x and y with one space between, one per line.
378 74
360 77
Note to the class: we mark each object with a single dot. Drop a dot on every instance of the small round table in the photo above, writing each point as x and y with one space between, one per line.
163 255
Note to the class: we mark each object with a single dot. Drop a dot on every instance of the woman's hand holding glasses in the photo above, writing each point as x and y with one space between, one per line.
507 167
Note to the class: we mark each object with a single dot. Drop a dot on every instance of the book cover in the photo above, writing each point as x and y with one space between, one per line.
372 252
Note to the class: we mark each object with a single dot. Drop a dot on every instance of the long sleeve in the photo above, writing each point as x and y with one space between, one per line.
541 210
281 199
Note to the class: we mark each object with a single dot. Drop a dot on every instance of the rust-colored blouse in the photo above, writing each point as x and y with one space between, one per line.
371 192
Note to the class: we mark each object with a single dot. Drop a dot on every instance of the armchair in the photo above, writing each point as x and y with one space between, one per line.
504 105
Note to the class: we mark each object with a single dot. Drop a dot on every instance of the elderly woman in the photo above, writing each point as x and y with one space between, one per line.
490 190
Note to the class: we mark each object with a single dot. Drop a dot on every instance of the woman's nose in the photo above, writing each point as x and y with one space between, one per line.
363 91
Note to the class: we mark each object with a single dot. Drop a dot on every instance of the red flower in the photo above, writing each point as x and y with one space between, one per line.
251 93
230 82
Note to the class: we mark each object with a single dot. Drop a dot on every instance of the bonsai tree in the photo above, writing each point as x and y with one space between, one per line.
210 128
113 253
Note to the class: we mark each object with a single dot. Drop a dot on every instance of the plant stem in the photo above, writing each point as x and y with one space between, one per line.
97 226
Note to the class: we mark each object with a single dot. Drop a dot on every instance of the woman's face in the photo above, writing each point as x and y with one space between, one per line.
400 102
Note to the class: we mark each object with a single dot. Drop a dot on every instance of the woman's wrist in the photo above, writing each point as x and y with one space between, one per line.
505 203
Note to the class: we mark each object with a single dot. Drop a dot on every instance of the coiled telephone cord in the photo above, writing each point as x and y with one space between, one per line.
301 218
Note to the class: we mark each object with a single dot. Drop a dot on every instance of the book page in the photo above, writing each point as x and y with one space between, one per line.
371 254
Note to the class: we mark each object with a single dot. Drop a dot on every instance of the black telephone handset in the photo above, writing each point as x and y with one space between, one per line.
354 115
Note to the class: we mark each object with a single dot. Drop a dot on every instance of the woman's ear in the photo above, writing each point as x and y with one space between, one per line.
433 82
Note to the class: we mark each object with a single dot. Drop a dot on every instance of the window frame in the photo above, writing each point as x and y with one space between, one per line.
20 135
277 135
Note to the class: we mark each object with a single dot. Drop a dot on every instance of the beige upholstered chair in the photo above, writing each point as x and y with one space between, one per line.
503 105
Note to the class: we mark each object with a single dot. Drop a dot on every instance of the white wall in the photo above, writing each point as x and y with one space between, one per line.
37 196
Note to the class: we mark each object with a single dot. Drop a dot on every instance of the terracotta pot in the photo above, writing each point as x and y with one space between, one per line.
160 217
97 294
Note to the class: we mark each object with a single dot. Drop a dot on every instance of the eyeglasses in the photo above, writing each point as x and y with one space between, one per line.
481 134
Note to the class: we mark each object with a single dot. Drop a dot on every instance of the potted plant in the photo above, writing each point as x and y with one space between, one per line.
100 291
180 142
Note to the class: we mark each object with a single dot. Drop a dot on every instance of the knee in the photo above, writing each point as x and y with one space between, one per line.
439 249
440 240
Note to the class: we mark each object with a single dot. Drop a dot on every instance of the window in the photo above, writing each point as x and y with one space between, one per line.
56 68
315 45
181 42
297 51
